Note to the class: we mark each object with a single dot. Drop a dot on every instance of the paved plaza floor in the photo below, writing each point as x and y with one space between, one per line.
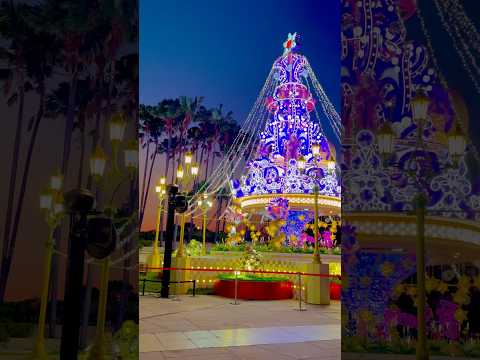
211 327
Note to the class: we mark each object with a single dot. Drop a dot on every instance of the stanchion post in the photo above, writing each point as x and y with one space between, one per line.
300 292
236 288
194 286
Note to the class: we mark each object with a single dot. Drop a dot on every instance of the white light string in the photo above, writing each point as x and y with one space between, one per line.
458 40
328 108
245 140
444 83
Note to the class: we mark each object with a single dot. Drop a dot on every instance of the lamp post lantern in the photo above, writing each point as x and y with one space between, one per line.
330 168
131 156
117 127
204 204
456 148
51 204
98 161
185 176
161 191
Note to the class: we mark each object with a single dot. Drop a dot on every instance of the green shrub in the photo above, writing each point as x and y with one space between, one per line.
268 248
194 248
20 330
4 337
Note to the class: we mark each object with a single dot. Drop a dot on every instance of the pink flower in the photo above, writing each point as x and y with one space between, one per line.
446 311
407 320
452 331
391 316
327 239
305 238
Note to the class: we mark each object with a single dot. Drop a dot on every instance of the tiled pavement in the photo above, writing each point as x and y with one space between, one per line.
209 327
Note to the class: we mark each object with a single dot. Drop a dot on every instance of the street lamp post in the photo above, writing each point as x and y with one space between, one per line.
205 203
184 179
160 190
456 148
330 165
97 168
51 203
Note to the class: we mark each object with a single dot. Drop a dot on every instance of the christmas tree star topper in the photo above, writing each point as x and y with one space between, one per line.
290 44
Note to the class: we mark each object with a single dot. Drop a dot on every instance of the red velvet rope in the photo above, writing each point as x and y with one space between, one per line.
146 268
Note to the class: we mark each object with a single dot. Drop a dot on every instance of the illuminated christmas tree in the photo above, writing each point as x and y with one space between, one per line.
294 159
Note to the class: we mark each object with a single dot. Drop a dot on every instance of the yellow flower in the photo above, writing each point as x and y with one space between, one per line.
412 291
476 282
430 284
460 315
398 290
365 315
461 298
464 283
442 287
386 269
365 281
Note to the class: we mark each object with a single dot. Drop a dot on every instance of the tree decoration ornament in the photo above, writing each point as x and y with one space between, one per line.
290 43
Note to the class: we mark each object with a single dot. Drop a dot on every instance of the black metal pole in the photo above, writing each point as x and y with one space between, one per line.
167 255
73 288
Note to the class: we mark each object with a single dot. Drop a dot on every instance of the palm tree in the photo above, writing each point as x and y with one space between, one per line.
151 129
31 59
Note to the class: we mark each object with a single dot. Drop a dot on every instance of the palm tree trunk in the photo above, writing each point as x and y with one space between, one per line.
82 156
145 172
207 164
148 185
167 166
172 179
126 264
26 171
67 142
219 211
6 260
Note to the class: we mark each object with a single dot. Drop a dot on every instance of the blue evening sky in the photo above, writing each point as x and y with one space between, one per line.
223 50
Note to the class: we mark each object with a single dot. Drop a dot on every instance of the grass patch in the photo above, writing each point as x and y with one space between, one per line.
252 277
150 287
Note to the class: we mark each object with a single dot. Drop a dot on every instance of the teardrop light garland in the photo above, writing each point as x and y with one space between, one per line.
463 50
468 30
444 83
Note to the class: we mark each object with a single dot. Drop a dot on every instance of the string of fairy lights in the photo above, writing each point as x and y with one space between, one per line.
469 30
328 108
242 144
449 18
444 83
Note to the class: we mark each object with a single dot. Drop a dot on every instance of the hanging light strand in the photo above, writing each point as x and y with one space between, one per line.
243 142
462 52
334 119
443 81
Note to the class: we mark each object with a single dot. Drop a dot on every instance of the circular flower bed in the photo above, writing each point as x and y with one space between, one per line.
251 287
